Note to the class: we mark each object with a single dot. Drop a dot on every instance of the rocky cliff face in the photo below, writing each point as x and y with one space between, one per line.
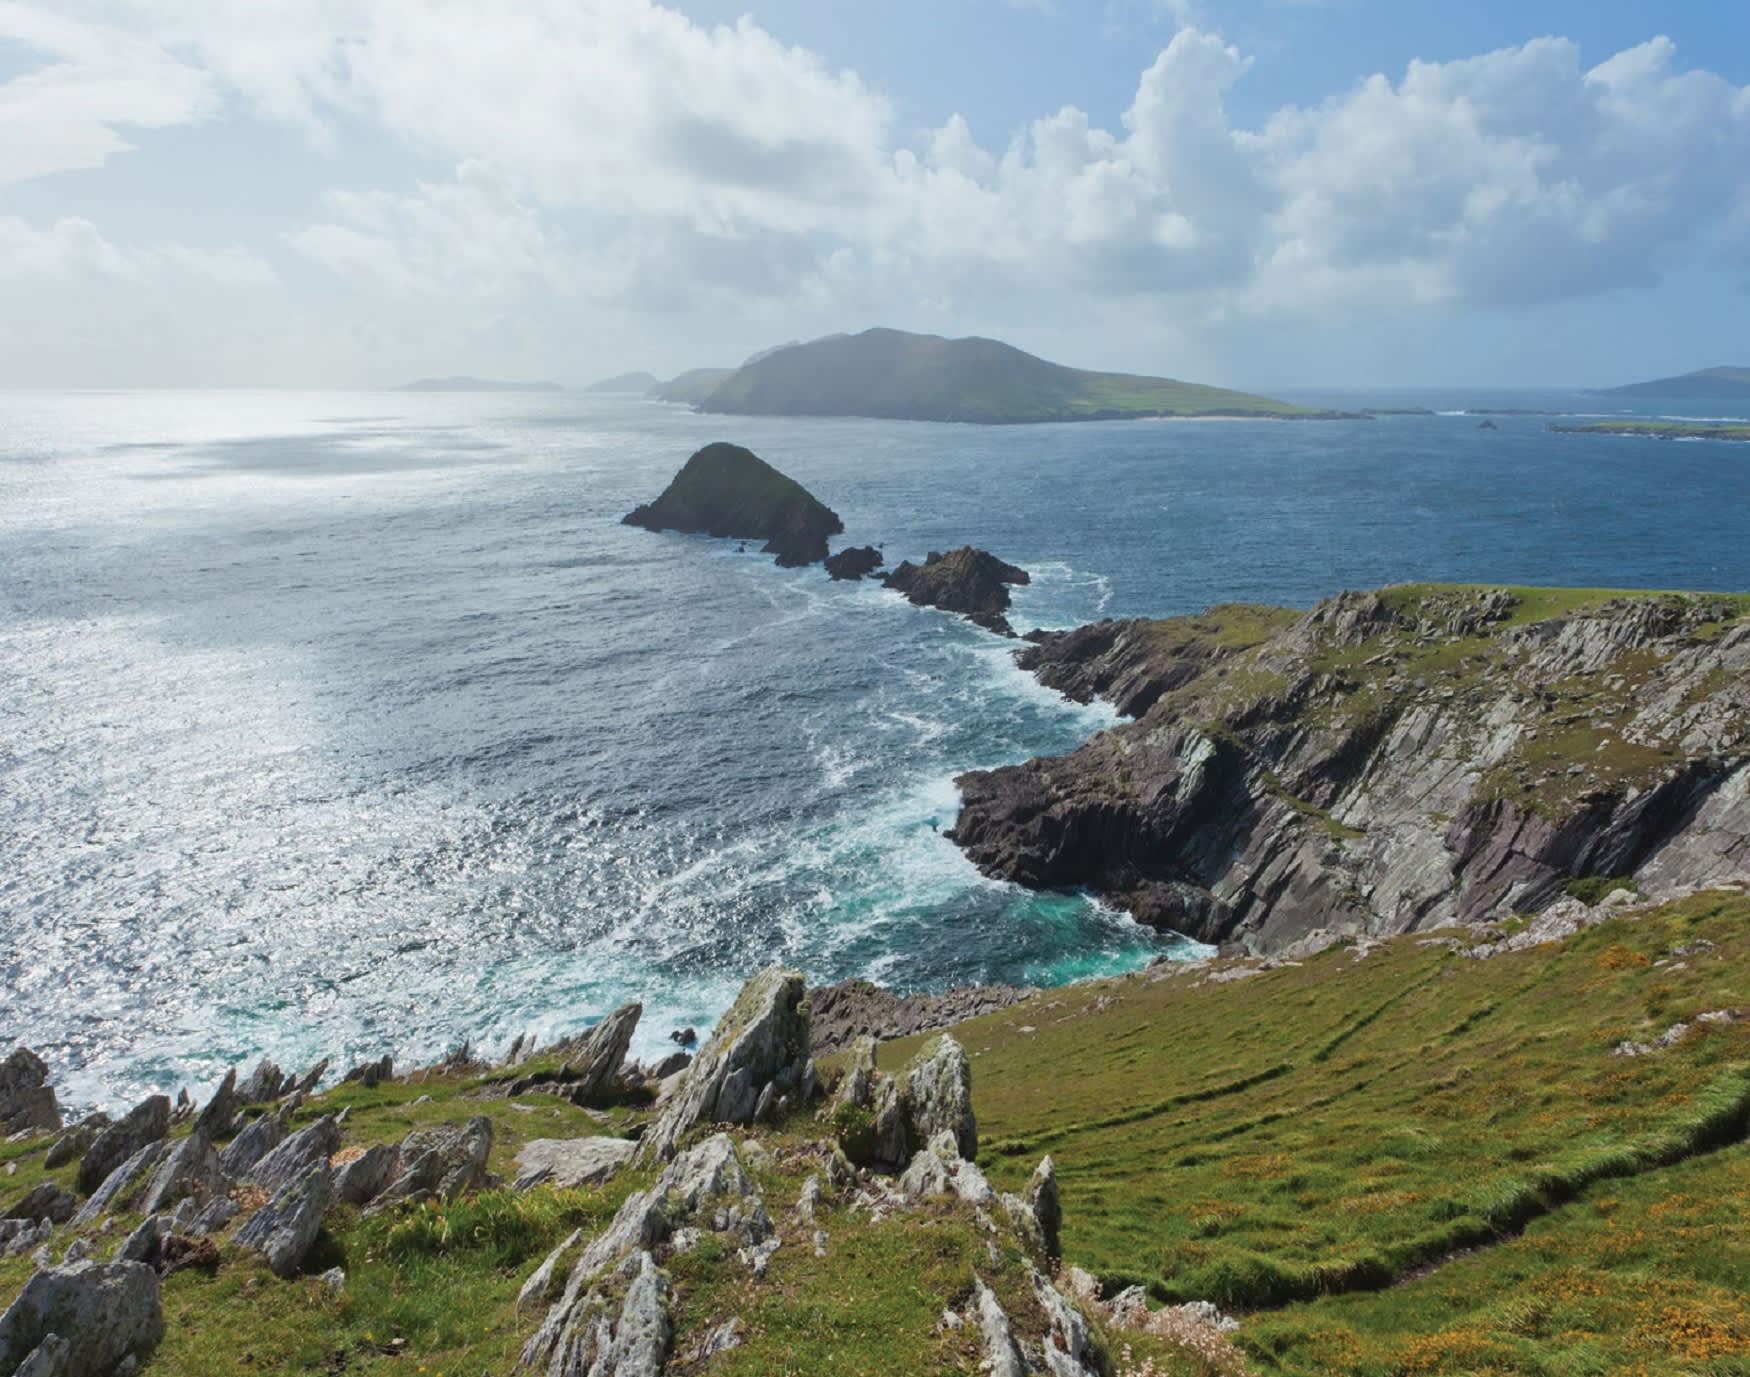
1386 762
725 490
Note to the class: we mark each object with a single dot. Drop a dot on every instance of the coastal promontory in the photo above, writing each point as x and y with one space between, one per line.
725 490
1387 762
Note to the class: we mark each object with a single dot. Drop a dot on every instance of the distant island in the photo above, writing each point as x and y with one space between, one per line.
1724 382
893 375
1661 430
639 383
465 384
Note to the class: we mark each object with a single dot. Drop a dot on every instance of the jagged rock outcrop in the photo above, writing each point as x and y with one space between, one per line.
45 1200
74 1143
1386 762
27 1101
725 490
218 1117
441 1163
314 1143
257 1138
104 1314
263 1085
121 1187
189 1170
704 1187
842 1013
360 1179
760 1051
146 1123
594 1060
856 562
284 1230
974 583
882 1121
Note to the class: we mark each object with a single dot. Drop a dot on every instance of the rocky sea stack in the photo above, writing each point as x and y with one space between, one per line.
725 490
971 582
1387 762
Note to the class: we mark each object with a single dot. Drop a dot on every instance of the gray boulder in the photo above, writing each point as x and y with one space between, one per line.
292 1158
45 1200
1046 1206
622 1328
371 1074
19 1236
147 1122
284 1229
27 1102
123 1185
259 1137
74 1143
763 1040
368 1175
106 1313
442 1162
146 1243
596 1057
1001 1357
190 1170
567 1163
937 1091
48 1359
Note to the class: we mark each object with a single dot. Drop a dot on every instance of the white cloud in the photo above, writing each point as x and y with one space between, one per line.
72 247
96 80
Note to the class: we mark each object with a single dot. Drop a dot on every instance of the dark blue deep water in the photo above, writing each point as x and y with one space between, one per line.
343 723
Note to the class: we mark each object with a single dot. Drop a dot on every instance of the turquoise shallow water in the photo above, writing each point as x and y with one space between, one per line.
342 723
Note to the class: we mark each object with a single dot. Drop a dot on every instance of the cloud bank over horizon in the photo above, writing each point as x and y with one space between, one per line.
578 187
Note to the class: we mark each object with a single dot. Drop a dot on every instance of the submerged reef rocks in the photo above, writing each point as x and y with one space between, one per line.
1387 762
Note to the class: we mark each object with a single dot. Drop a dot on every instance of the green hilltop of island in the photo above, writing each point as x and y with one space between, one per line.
894 375
1722 382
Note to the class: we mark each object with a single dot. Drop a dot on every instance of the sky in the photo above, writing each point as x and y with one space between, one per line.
1287 194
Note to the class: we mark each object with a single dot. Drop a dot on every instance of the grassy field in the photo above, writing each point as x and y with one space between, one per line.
1388 1160
1303 1144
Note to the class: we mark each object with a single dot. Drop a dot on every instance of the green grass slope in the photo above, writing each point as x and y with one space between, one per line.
1662 430
1311 1142
894 375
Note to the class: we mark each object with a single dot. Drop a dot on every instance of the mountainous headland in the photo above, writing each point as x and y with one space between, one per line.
620 383
894 375
692 387
725 490
1387 762
466 384
1724 383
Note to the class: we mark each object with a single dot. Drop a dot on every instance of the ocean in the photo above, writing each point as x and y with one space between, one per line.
341 723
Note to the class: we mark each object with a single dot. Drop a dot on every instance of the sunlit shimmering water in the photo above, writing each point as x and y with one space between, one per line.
340 723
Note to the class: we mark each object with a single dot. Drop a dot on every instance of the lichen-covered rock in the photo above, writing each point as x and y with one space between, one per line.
50 1358
258 1137
73 1143
1001 1357
368 1175
19 1236
190 1170
292 1158
45 1200
937 1091
544 1281
567 1163
122 1186
622 1328
595 1059
762 1040
146 1123
284 1230
441 1163
27 1101
106 1313
1046 1206
937 1168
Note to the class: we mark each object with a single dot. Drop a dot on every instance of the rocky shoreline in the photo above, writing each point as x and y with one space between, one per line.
1386 762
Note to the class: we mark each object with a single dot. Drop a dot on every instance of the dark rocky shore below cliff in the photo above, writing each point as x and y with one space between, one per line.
1386 762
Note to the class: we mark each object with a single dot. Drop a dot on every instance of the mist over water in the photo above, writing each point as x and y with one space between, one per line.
335 724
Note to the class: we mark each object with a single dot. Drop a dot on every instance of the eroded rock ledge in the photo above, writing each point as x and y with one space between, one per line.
1386 762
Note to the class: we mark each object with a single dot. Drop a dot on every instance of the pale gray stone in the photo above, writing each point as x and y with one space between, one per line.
284 1229
105 1312
567 1163
146 1123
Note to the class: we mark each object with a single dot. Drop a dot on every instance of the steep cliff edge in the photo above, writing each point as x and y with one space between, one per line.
1387 762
